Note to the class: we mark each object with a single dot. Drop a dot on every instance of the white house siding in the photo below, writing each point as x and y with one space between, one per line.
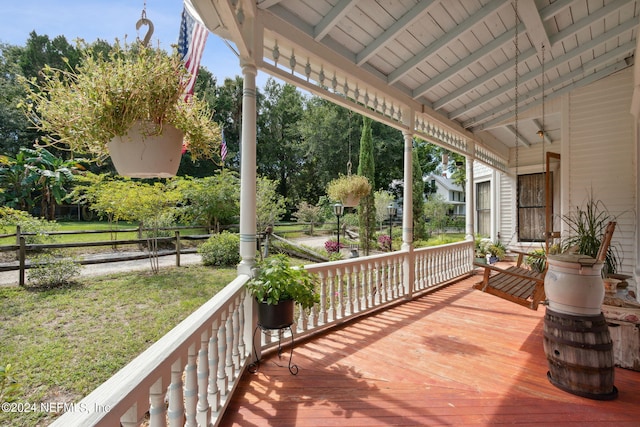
602 155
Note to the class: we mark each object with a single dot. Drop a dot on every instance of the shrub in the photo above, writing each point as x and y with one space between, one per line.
48 270
332 246
9 218
221 250
384 241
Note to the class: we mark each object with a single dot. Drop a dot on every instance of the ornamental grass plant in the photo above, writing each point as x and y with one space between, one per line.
83 109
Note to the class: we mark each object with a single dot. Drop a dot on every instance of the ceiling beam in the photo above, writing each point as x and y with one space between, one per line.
390 33
518 135
330 20
265 4
505 38
629 25
528 13
580 76
566 33
446 38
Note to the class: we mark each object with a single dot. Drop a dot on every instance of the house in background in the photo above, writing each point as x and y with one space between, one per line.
452 193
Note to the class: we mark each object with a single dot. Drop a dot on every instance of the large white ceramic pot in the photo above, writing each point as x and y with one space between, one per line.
573 285
141 154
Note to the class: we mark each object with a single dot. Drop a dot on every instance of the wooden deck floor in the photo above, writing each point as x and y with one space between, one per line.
454 357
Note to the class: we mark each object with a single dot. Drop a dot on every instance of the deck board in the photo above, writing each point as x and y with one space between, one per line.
457 356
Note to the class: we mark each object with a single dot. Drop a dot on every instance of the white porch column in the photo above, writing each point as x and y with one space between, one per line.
407 204
469 201
407 216
248 172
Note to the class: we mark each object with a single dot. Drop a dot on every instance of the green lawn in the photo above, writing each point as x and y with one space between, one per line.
62 343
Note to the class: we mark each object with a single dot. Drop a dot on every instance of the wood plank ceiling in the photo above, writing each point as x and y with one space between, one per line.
453 60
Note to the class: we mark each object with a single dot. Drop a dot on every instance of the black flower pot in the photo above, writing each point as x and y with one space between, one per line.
275 316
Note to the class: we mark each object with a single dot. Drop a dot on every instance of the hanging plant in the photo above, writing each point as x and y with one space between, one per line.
83 110
348 189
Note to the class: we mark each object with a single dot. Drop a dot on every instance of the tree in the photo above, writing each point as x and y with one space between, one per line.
15 131
211 201
435 209
382 200
280 151
366 168
418 197
270 205
309 214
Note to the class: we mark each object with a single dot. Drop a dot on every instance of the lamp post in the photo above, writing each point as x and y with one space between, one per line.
338 209
391 210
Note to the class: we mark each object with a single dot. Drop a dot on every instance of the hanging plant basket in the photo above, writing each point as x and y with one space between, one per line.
142 154
349 189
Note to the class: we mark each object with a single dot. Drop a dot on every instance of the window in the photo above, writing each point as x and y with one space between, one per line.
483 207
531 207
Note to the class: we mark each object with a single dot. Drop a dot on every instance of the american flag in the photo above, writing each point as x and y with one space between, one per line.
191 41
223 147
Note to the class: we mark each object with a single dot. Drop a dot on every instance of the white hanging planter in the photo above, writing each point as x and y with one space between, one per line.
139 154
350 201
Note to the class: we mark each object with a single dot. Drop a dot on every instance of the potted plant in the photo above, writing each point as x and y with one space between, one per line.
130 97
480 249
276 286
349 189
496 251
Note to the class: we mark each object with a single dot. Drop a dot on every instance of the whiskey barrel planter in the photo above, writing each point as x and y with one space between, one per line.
579 353
275 316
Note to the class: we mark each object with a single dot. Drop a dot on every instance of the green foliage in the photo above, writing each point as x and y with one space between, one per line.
10 218
586 226
9 387
48 271
85 107
382 200
270 205
340 188
435 210
419 229
127 200
308 213
221 250
537 261
277 280
497 249
366 168
210 201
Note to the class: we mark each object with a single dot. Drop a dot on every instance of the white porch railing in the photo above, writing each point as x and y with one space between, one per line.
187 377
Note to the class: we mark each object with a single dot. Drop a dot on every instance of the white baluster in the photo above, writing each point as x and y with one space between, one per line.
242 347
370 285
214 357
349 301
322 316
223 380
203 408
157 413
229 351
340 293
332 297
236 338
378 283
191 387
176 402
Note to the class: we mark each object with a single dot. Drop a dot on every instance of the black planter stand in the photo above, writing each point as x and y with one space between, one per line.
274 320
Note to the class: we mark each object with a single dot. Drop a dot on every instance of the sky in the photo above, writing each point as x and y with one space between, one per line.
108 20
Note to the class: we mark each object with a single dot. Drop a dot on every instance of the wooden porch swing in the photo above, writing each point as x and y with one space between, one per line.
524 286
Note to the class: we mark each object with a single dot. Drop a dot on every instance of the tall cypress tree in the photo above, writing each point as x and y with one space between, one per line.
419 229
367 168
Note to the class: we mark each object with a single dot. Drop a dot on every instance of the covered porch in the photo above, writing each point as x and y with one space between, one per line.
454 356
376 350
